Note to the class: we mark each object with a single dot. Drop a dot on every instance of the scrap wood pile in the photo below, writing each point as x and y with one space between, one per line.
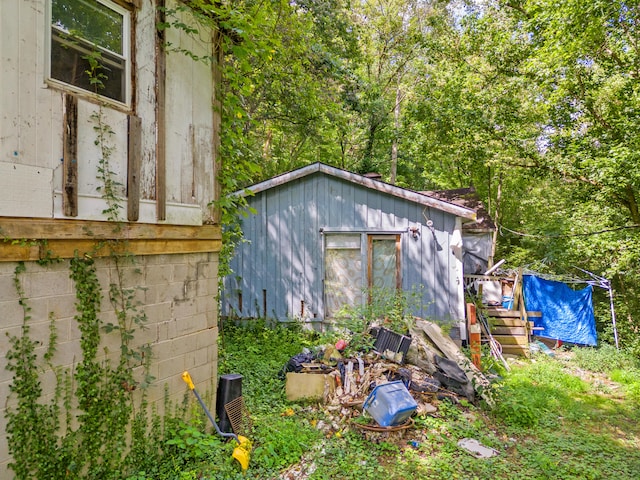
431 369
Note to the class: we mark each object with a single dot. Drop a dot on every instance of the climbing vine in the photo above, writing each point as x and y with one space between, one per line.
31 424
84 430
97 424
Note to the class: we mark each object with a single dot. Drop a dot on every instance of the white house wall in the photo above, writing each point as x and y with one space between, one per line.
31 120
188 116
282 262
175 265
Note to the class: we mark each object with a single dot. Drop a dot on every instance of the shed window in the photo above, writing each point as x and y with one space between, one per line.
90 46
358 262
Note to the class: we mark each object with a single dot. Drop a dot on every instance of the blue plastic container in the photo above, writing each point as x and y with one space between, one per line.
390 404
507 302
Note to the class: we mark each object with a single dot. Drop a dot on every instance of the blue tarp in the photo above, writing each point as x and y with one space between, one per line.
567 314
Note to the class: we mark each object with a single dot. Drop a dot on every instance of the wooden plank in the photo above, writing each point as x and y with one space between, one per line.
68 248
508 331
161 139
201 184
511 340
70 156
450 350
502 313
520 350
134 154
506 322
40 229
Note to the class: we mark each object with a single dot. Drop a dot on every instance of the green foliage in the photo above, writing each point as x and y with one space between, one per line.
551 424
95 401
110 189
31 424
605 359
282 442
259 354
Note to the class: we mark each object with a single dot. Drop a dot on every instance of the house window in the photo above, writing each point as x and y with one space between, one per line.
90 46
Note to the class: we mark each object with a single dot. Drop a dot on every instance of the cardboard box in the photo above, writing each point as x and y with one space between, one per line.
309 386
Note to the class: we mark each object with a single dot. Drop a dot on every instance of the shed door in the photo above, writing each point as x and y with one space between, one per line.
343 279
384 262
350 270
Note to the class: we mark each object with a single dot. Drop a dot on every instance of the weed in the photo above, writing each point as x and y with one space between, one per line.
546 424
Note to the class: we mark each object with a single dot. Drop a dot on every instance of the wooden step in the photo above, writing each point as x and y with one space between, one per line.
509 331
506 322
511 340
520 350
503 313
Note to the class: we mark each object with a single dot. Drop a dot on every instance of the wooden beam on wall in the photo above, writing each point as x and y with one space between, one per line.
30 239
70 156
161 151
31 251
47 229
134 154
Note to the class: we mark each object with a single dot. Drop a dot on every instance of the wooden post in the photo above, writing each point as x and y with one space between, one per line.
474 335
70 157
161 66
134 153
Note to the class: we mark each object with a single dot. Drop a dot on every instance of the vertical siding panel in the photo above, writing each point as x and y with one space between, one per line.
332 206
314 269
28 60
427 265
251 266
388 206
278 297
262 238
292 278
441 280
287 279
9 82
452 269
374 204
241 275
271 260
323 200
348 210
360 208
299 249
45 98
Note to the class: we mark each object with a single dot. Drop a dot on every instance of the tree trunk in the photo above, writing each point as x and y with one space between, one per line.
394 146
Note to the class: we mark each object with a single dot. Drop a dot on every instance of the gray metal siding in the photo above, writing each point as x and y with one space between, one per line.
284 252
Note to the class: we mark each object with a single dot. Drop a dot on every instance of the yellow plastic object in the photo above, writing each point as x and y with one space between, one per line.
241 452
187 379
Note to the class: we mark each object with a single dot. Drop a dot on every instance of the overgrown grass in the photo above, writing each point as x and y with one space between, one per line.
548 423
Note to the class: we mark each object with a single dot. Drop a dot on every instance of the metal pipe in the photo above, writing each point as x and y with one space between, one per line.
493 269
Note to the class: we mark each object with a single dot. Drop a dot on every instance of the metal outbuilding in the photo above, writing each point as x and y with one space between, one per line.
320 238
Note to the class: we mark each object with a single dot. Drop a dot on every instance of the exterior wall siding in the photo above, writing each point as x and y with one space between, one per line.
283 257
31 117
180 289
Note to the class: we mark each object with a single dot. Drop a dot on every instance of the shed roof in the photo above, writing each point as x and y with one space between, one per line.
420 198
467 197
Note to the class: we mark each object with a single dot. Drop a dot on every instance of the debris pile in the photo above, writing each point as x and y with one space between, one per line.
429 365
